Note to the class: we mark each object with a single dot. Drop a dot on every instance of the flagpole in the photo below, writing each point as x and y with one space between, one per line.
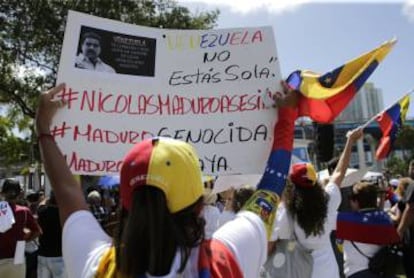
373 118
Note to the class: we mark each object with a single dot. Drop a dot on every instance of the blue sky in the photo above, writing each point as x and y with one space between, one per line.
321 35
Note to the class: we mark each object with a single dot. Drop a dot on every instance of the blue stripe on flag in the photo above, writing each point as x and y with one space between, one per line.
275 174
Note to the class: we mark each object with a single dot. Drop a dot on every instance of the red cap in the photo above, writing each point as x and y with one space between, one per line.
303 175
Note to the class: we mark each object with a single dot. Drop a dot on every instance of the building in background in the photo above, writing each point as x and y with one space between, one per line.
366 104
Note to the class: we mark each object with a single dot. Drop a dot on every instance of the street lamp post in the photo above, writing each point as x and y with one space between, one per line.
32 170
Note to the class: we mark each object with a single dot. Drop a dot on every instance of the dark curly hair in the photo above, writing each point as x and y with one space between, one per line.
308 206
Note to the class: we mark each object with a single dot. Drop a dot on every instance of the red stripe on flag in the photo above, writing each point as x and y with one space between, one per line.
216 260
385 122
384 148
325 111
373 234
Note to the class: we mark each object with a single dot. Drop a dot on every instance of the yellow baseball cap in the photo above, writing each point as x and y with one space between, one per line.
168 164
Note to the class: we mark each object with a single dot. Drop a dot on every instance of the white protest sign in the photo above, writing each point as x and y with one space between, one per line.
126 83
6 217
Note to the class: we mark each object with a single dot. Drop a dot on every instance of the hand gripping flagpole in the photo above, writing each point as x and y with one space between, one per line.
376 116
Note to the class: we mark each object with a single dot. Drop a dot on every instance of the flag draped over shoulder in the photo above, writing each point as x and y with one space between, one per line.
325 96
374 227
390 122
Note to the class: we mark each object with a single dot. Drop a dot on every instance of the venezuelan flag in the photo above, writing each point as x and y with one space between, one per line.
216 260
390 122
325 96
278 163
373 226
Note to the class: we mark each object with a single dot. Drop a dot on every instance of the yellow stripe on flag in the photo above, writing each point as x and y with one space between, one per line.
312 88
404 105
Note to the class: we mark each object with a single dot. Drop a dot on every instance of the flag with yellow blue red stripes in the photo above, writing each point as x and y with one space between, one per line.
323 97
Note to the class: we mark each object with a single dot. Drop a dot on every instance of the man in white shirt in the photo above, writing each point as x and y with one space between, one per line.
89 57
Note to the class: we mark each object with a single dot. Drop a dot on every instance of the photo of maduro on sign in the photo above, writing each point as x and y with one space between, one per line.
88 58
110 52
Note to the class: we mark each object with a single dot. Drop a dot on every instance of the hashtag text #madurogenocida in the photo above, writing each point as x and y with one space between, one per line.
222 135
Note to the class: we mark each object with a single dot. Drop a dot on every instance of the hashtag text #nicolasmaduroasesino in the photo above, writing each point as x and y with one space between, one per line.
162 104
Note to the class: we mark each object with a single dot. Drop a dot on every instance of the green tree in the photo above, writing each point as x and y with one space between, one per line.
405 141
16 148
397 166
31 36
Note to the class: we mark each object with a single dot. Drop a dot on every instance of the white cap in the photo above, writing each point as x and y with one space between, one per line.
394 182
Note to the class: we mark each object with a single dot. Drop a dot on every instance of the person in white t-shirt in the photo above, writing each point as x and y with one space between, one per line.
161 232
313 209
6 217
210 213
356 254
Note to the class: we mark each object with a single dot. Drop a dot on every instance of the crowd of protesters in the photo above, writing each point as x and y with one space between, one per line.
37 222
43 252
